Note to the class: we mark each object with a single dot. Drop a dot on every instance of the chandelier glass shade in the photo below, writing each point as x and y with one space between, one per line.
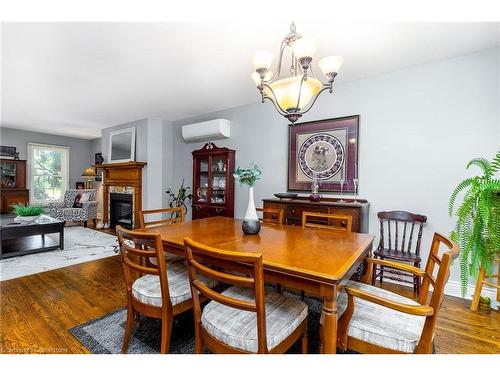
294 95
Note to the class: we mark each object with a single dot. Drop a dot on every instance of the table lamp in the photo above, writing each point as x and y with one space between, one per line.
90 174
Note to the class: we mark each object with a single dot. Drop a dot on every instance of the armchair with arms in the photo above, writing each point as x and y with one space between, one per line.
375 320
65 211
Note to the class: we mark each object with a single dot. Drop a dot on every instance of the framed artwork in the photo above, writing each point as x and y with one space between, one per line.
326 150
7 152
98 160
80 185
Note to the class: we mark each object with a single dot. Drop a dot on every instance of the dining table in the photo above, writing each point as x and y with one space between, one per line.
317 261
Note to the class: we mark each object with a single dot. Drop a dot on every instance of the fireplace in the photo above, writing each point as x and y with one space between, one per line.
121 210
123 182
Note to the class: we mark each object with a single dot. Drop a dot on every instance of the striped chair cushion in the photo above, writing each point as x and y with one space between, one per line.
238 328
380 325
147 289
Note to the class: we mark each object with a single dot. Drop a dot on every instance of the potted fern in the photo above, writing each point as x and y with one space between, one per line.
26 213
478 219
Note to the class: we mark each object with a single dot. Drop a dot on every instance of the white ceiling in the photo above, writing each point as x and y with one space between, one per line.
76 78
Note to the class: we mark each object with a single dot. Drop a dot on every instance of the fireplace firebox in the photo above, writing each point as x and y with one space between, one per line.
121 210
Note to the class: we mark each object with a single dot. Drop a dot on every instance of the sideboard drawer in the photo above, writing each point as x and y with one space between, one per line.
294 211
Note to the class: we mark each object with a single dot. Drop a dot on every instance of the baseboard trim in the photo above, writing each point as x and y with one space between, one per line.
454 288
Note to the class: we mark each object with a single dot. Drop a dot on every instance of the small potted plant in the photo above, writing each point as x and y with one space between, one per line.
26 213
249 176
179 199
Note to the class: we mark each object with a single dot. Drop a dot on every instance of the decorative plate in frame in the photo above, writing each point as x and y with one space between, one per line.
327 149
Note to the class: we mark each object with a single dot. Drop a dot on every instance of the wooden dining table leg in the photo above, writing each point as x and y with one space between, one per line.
330 322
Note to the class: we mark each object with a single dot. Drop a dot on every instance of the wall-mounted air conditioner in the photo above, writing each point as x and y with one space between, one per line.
206 131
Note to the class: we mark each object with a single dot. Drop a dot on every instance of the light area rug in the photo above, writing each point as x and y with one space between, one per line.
80 245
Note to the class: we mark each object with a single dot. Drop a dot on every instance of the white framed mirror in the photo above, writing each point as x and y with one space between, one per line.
121 146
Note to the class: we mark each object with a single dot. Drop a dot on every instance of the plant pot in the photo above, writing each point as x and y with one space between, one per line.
484 305
26 219
251 223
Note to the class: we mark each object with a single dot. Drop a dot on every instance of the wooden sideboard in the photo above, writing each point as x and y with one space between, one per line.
293 209
13 184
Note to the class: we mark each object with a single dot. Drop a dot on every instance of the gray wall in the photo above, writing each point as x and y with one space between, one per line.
418 128
79 156
154 145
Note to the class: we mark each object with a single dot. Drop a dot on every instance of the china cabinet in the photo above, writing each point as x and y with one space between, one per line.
13 184
213 182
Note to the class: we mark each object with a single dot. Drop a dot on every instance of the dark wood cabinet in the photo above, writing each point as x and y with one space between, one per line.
12 184
293 209
213 182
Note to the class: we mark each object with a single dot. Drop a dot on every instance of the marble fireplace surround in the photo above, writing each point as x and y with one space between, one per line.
125 178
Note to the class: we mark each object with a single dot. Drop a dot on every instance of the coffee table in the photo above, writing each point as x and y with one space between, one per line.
26 238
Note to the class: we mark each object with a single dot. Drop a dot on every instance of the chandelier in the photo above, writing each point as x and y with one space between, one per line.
295 95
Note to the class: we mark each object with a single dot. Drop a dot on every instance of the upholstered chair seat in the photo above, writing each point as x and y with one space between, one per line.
147 290
380 325
238 328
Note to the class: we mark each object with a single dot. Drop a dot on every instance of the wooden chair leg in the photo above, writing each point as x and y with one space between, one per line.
85 223
477 291
381 273
304 342
280 288
128 329
416 281
166 333
198 341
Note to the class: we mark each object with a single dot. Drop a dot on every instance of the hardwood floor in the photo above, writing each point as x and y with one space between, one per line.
36 311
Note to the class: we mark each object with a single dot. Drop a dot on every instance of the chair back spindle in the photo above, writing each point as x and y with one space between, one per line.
399 231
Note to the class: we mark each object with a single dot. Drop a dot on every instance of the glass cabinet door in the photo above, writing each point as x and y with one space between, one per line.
202 193
8 173
218 179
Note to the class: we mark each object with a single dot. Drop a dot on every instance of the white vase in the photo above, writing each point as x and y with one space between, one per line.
251 213
251 223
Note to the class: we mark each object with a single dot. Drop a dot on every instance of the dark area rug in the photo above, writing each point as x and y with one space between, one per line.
105 334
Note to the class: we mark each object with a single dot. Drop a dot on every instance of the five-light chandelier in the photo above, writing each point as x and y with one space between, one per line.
295 95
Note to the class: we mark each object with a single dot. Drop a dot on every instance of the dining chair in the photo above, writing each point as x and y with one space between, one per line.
374 320
271 215
399 245
175 215
243 318
158 290
338 222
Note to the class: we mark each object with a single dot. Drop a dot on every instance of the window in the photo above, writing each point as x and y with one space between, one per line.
49 172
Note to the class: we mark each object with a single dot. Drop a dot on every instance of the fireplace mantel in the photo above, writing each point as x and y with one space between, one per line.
122 175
